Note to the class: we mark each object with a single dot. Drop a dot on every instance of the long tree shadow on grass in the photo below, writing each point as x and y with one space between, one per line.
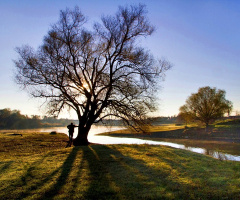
5 166
30 184
120 172
116 176
26 182
63 177
101 185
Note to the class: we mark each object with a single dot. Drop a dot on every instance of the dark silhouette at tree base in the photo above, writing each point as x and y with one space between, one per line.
80 142
70 133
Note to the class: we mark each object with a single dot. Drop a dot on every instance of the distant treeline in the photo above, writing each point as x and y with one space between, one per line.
163 120
13 119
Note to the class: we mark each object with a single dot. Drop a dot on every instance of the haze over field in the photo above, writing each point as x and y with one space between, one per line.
200 38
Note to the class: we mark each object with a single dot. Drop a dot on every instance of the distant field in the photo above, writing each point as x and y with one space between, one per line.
37 166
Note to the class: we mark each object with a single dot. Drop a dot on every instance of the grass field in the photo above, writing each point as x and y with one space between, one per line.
37 166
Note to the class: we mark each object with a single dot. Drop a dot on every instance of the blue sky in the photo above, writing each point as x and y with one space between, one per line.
201 38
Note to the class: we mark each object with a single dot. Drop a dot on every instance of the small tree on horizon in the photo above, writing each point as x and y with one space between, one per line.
206 105
100 73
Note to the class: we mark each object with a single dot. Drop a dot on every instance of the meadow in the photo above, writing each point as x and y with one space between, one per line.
38 166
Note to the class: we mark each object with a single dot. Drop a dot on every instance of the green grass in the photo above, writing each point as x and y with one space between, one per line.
37 166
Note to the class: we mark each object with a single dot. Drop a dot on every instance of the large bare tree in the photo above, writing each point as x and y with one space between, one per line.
100 73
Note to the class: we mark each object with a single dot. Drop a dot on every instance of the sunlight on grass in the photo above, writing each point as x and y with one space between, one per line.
110 171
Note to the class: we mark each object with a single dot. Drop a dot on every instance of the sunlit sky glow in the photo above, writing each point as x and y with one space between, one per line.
200 38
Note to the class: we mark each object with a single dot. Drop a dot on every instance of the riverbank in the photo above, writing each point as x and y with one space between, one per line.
225 133
37 166
222 136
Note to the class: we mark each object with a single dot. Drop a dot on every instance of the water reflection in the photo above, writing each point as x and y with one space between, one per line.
221 156
118 140
95 138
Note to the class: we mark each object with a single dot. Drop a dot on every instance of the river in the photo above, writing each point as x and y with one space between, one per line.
95 138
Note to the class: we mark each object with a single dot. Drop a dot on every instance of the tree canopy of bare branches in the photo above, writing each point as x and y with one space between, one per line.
99 73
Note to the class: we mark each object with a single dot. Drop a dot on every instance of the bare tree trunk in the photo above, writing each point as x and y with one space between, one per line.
207 126
82 137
